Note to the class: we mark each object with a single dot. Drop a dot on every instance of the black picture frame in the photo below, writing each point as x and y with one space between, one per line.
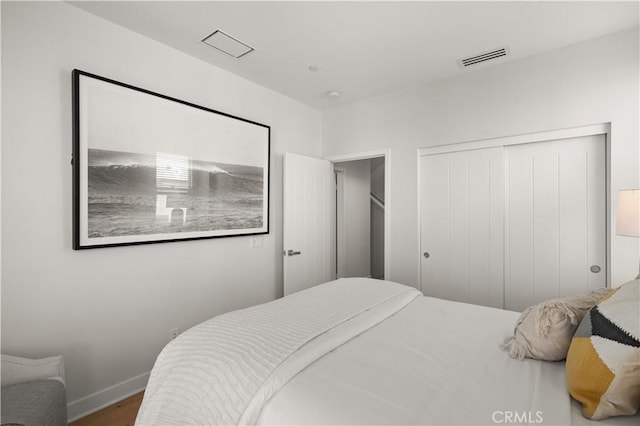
149 168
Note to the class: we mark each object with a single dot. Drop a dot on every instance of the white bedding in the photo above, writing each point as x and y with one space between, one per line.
224 370
435 362
380 353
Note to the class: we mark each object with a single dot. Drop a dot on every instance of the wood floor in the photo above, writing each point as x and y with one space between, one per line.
122 413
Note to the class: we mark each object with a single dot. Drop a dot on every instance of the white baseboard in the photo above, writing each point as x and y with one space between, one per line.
106 397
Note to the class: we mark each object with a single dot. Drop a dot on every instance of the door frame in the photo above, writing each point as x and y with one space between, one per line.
544 136
386 153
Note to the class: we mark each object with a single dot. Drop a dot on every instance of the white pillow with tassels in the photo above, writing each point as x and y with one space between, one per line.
544 331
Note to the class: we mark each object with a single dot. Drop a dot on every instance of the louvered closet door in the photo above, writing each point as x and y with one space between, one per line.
555 223
462 226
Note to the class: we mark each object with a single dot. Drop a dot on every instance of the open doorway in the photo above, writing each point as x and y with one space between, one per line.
360 218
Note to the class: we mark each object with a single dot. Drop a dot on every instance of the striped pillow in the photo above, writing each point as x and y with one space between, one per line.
603 362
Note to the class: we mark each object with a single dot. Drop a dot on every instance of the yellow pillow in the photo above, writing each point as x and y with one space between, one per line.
603 362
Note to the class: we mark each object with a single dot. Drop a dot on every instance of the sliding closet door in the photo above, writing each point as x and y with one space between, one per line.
555 223
462 226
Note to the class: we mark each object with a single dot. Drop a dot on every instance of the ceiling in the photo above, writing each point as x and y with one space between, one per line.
363 49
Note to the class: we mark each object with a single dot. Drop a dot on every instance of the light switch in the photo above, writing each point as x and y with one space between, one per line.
257 241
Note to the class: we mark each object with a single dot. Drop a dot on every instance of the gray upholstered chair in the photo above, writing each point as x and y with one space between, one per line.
33 391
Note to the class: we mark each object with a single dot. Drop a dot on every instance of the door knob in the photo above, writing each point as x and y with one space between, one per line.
595 269
426 254
293 253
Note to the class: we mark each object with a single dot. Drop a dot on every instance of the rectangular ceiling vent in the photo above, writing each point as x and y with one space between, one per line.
226 44
483 57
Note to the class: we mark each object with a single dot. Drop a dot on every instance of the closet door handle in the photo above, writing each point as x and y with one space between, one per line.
426 255
293 253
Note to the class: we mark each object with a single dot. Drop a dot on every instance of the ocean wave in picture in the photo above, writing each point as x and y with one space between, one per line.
136 194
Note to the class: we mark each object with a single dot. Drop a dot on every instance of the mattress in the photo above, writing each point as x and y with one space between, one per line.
384 354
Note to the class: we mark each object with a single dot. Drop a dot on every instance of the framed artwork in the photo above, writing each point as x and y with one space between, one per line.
148 168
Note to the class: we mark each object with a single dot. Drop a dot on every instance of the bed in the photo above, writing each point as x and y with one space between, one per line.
356 351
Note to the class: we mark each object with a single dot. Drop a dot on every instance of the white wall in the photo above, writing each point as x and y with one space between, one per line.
109 311
357 218
592 82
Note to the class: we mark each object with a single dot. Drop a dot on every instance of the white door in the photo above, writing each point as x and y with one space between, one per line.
462 226
555 223
307 222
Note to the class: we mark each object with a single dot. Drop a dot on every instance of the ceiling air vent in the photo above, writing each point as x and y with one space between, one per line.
227 44
483 57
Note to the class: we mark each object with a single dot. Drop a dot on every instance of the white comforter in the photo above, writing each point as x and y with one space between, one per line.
224 370
436 362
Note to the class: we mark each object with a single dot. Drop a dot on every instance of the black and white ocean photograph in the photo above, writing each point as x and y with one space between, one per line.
154 169
136 194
